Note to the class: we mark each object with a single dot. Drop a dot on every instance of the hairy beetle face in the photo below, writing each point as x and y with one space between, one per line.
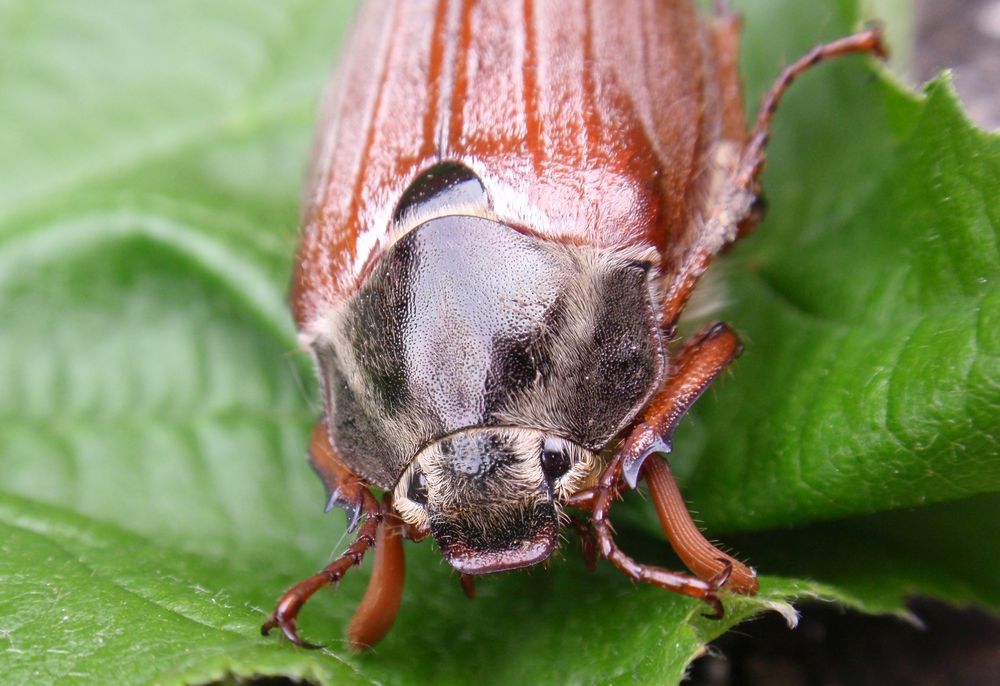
490 495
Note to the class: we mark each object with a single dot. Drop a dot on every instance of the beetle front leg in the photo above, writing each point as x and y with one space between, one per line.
601 498
291 602
696 552
346 490
692 371
343 487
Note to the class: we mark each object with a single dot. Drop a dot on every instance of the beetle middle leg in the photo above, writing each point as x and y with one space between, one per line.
696 552
735 204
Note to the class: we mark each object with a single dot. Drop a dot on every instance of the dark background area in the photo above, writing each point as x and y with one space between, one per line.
964 36
833 647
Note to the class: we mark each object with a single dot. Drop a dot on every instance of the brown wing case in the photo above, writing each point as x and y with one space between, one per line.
585 119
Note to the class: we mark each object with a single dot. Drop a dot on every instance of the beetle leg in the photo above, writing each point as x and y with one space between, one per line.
294 598
753 157
738 161
343 487
411 532
585 499
468 584
684 584
587 540
380 604
695 551
692 371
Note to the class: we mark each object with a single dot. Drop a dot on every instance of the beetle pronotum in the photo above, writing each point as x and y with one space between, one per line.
510 204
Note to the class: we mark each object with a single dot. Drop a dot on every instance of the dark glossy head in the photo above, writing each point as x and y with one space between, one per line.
489 495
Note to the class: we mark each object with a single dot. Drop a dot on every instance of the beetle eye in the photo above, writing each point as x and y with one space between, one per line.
555 460
417 490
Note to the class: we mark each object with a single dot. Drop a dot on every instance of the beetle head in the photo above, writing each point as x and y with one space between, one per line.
490 495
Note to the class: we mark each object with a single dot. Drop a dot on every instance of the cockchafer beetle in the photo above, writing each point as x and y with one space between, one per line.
510 204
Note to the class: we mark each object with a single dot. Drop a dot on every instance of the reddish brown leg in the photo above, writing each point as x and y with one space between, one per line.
737 206
294 598
346 490
411 532
695 551
602 496
468 584
692 371
587 540
379 607
343 487
753 157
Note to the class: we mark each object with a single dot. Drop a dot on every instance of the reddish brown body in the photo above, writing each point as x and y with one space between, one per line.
599 127
588 122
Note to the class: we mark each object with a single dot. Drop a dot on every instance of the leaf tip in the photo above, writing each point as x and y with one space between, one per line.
786 610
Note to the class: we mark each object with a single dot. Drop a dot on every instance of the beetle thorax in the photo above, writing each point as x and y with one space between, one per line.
466 322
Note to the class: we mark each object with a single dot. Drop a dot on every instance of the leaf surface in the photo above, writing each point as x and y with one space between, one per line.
154 500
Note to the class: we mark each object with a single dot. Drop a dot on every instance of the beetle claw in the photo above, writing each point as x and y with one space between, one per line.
718 612
289 629
645 446
715 583
720 579
351 508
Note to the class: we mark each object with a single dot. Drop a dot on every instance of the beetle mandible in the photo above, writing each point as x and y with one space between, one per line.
510 204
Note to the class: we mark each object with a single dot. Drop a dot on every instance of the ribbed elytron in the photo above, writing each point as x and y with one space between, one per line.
510 204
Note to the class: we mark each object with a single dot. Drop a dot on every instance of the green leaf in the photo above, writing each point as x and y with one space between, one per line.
870 379
154 501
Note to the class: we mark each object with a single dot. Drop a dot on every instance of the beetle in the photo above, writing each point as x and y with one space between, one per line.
509 206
